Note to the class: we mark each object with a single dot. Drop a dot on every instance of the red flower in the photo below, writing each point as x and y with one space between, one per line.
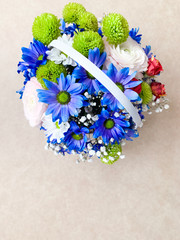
154 67
158 89
138 88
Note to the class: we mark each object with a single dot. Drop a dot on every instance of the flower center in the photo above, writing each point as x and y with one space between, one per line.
40 57
63 97
57 125
90 75
77 136
120 86
109 123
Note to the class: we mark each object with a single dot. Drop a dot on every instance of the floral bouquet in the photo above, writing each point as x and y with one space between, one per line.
88 82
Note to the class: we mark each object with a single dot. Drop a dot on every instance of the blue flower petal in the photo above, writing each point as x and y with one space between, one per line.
51 86
105 113
102 59
97 56
132 84
92 85
56 113
111 72
131 95
134 35
76 102
30 55
75 88
128 78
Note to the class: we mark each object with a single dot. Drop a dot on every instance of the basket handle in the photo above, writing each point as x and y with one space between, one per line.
101 77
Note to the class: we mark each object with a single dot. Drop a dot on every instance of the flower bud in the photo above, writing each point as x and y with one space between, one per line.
154 67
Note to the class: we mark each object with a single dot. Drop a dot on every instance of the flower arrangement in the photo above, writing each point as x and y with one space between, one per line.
88 83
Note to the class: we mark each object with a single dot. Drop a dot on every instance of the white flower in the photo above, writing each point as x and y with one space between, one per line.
33 109
53 129
128 54
59 57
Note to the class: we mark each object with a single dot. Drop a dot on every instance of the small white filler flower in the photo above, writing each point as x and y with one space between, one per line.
59 57
53 129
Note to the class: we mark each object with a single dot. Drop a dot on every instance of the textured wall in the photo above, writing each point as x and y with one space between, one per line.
50 198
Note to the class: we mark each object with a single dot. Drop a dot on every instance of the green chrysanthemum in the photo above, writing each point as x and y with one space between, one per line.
146 93
115 27
46 28
88 21
72 12
113 153
83 41
50 71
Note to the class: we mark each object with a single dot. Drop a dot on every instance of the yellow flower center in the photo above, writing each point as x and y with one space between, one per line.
109 123
77 136
40 57
120 86
63 97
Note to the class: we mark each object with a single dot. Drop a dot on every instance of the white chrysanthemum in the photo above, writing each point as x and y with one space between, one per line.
59 57
53 129
128 54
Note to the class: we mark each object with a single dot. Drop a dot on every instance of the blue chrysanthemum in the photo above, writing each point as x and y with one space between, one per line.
88 81
71 29
76 138
33 56
109 126
147 51
123 80
63 99
134 35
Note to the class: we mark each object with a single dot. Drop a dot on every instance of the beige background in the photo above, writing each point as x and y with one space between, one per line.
44 197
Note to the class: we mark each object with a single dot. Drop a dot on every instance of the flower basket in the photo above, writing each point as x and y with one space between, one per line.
88 83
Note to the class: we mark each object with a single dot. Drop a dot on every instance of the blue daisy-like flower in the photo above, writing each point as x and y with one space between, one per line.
71 29
76 138
147 51
110 127
134 35
88 81
123 80
63 99
33 56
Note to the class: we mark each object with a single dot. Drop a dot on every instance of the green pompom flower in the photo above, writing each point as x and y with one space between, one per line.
88 21
115 27
46 28
113 153
83 41
50 71
146 93
72 12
